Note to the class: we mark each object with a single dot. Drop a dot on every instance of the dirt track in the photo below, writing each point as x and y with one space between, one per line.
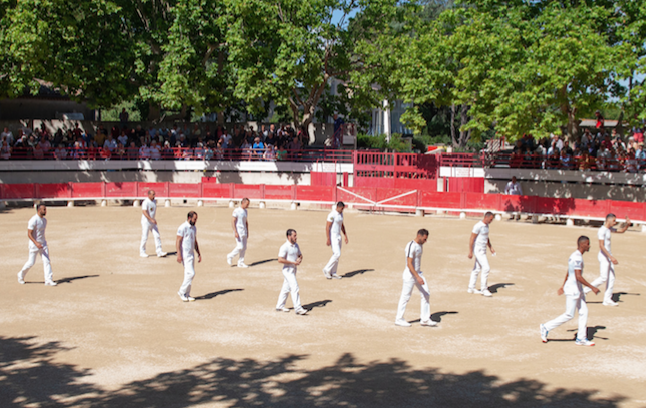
115 333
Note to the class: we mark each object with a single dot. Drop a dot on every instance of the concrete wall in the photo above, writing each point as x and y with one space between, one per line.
572 190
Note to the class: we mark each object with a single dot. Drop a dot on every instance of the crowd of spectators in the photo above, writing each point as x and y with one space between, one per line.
594 150
121 142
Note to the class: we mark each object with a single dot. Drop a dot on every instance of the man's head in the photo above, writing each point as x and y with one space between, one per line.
192 217
151 194
291 236
422 236
340 206
583 244
244 203
488 217
514 180
41 210
611 220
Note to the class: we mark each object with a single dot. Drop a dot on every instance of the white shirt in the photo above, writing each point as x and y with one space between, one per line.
150 206
110 144
37 225
290 252
336 218
413 250
482 239
188 233
513 188
604 234
240 215
573 287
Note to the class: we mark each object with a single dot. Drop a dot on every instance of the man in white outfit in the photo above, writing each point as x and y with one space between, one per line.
513 187
333 229
241 233
607 262
186 244
38 245
478 244
149 223
412 277
290 256
575 298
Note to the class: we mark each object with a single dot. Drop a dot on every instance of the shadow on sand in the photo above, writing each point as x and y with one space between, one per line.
73 278
32 376
320 303
218 293
357 272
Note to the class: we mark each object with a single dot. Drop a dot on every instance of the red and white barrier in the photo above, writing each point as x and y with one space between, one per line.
396 199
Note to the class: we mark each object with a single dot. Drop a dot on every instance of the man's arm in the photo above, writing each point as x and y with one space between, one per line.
560 291
490 247
233 225
580 278
197 249
625 227
286 262
150 219
328 225
30 234
344 233
471 241
246 226
605 252
178 248
411 268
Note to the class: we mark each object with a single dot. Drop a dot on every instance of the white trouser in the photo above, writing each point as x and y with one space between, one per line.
481 264
407 290
44 254
573 303
240 249
145 228
290 285
189 273
333 263
607 275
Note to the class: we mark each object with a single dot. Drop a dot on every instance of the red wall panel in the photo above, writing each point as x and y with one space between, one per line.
128 189
19 191
185 190
314 193
57 190
369 193
161 189
88 190
476 201
440 200
214 190
248 190
279 192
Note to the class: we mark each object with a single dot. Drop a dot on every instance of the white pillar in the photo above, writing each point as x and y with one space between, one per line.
136 203
419 212
200 203
440 212
167 203
386 112
294 206
262 204
643 227
498 217
104 203
534 219
569 222
70 203
231 204
463 215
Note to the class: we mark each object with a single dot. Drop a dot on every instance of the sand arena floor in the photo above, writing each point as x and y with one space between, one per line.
115 333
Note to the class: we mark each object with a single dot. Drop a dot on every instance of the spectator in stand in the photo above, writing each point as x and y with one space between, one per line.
81 149
258 148
122 138
281 154
199 151
640 156
5 150
155 152
58 137
110 144
226 139
246 150
606 143
187 153
638 135
209 153
38 152
123 117
120 152
567 148
603 154
219 151
631 162
338 131
295 148
613 159
182 142
270 139
270 154
553 149
132 151
566 160
513 187
7 135
167 152
115 132
60 153
600 120
144 150
78 132
46 146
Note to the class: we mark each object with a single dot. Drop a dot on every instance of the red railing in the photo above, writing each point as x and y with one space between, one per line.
181 153
400 199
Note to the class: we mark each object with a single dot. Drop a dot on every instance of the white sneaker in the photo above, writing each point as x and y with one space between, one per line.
402 323
301 312
190 299
327 274
50 283
229 260
486 293
183 297
282 309
21 280
474 291
610 303
335 276
242 265
544 333
161 254
584 342
429 322
143 255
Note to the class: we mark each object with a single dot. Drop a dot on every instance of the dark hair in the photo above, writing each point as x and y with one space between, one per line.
244 199
340 204
423 232
40 205
609 216
582 239
290 232
488 214
190 215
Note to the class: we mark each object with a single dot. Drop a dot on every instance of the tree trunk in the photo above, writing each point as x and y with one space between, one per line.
572 125
154 112
453 138
464 118
620 126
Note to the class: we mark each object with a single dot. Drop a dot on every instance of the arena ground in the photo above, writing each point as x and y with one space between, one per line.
115 333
